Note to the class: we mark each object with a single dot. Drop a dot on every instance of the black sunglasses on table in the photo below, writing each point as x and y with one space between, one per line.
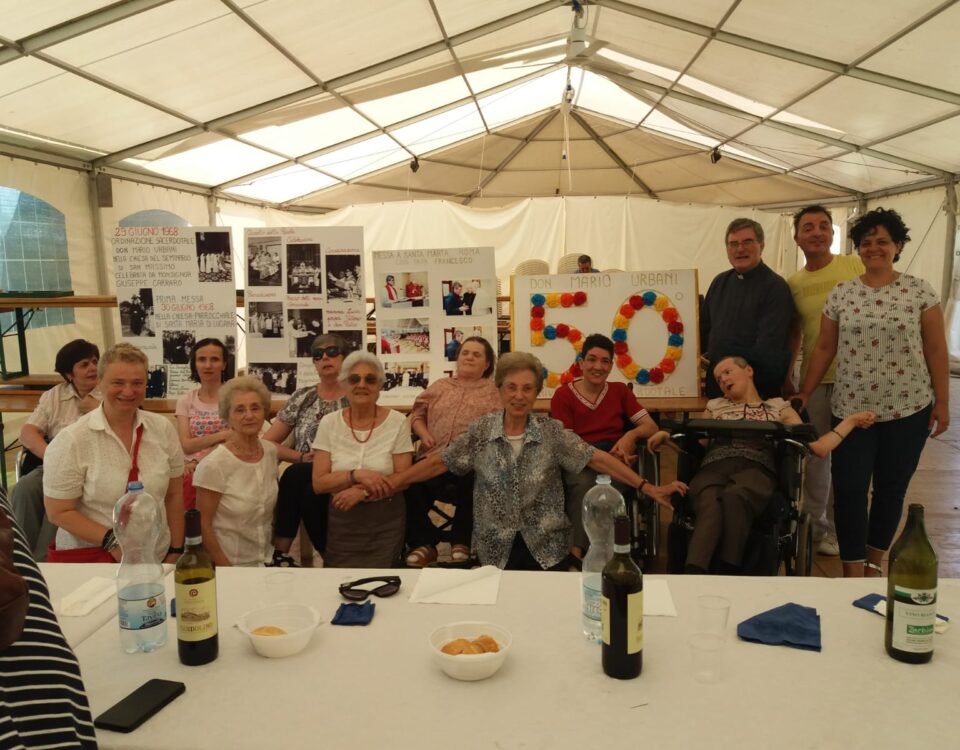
390 585
330 351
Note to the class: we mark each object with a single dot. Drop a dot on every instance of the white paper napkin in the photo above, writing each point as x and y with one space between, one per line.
87 597
453 586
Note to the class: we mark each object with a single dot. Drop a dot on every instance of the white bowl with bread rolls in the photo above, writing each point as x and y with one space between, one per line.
470 650
279 630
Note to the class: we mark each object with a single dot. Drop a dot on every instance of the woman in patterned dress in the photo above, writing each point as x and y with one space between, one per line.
886 330
302 413
198 418
519 521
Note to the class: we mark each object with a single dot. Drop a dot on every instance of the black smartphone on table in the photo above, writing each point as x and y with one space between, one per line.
140 705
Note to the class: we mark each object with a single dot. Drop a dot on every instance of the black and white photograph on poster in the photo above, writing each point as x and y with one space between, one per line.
137 314
453 338
454 301
279 377
213 256
230 341
406 375
304 268
354 339
157 381
263 261
479 295
177 346
343 278
303 326
405 336
402 289
265 320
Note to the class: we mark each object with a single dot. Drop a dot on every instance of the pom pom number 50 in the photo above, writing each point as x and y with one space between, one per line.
650 300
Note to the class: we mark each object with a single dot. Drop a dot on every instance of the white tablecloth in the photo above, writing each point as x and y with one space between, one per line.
64 578
376 686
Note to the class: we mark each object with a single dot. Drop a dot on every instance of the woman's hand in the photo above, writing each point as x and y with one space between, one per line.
373 481
426 439
190 466
347 499
940 416
863 419
802 398
662 493
625 449
656 441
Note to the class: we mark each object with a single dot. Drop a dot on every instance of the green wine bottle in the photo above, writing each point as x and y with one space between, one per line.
912 593
621 612
198 640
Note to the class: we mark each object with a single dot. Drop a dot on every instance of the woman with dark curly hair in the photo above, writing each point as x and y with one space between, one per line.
886 330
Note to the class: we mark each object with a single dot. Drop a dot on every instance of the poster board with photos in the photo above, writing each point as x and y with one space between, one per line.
301 282
428 302
651 316
175 287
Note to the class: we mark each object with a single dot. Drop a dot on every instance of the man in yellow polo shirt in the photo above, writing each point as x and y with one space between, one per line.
813 233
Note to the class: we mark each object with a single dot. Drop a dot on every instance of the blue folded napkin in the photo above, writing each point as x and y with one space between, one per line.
786 625
354 614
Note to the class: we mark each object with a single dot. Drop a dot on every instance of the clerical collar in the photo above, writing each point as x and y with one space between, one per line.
748 274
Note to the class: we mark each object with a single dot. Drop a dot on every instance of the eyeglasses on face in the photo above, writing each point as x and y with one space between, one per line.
745 244
329 351
369 379
389 585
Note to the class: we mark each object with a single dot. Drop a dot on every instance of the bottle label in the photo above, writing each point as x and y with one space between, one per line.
592 585
634 621
196 611
142 606
914 617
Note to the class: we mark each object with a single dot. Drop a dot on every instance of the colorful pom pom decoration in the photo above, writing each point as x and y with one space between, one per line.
661 304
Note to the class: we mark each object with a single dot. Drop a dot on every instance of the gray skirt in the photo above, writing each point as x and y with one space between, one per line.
369 535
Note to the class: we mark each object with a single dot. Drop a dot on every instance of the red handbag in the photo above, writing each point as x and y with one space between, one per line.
80 555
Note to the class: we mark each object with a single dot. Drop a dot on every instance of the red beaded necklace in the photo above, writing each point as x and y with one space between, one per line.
354 433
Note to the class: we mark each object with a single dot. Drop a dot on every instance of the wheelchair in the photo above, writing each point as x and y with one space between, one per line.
781 535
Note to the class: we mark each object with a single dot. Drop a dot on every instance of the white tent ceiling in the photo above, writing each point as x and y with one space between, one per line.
320 105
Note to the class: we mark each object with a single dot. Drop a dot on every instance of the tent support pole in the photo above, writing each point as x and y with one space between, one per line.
100 259
950 249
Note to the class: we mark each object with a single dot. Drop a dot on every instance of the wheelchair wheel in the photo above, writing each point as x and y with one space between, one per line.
804 566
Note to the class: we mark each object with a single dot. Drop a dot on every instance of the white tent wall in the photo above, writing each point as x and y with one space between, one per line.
68 191
619 232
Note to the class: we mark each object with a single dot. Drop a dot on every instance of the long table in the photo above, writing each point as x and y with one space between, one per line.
376 686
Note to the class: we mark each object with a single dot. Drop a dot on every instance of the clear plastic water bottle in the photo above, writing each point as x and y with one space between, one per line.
601 505
142 604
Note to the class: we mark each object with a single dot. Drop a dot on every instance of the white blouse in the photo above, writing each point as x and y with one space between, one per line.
88 461
335 436
243 522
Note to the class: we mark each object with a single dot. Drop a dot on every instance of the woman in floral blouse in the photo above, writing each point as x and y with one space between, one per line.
886 330
302 413
199 424
519 522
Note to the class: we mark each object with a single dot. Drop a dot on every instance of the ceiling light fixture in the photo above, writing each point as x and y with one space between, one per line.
415 165
715 155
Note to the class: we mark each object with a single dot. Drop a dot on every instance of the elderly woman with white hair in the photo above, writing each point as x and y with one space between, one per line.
519 521
237 482
356 449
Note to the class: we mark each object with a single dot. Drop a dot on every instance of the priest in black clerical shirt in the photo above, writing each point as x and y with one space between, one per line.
747 313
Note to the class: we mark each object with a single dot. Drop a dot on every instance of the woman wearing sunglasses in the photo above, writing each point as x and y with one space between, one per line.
519 521
356 449
302 413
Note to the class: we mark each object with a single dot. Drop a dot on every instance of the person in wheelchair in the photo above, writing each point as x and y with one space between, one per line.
737 476
597 411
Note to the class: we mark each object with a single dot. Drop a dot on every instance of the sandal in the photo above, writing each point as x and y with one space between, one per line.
459 553
421 557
